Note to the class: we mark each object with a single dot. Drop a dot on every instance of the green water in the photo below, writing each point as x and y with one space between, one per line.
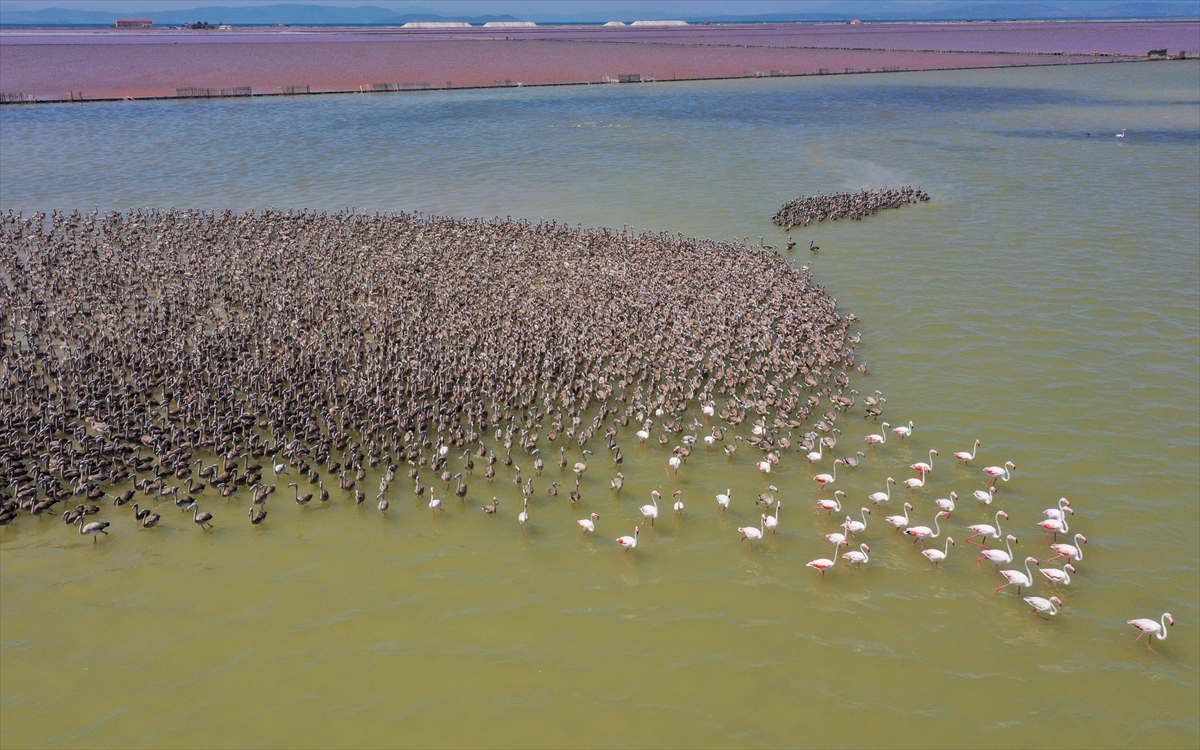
1047 301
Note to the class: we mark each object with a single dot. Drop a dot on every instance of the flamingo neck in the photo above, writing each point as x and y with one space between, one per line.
1163 630
998 532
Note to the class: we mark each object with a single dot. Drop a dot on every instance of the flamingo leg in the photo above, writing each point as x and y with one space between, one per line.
979 563
997 591
1056 557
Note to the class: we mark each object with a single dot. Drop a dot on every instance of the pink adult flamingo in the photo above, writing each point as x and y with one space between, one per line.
900 522
854 527
629 542
833 506
822 564
882 497
858 556
923 467
1071 551
589 524
904 431
964 456
913 484
986 530
1064 507
878 439
751 533
935 556
651 511
1043 606
947 503
997 556
997 472
1056 576
986 496
1152 628
1054 526
1017 578
827 479
772 522
921 533
816 455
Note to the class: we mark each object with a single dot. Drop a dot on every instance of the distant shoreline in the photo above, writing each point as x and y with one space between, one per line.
66 65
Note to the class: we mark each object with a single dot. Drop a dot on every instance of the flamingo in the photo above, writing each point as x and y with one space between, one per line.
827 479
764 466
772 522
923 467
816 455
997 556
629 542
947 503
1045 606
673 464
921 533
822 564
1056 576
435 504
857 557
935 556
853 527
1120 135
833 506
1017 578
678 503
589 524
1152 628
93 529
651 511
1064 507
903 431
723 500
1054 526
1071 551
986 530
913 484
708 410
882 497
900 522
986 496
998 472
964 456
878 439
523 516
751 533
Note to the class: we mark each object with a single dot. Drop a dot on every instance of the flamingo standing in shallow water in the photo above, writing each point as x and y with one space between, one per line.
751 533
833 506
1054 526
1017 578
878 439
935 556
921 533
1043 606
986 496
822 564
1064 507
947 503
773 521
964 456
1152 628
997 556
857 556
903 431
1071 551
999 472
900 522
1056 576
853 527
828 479
986 530
882 497
723 500
913 484
651 511
678 503
629 542
589 524
923 467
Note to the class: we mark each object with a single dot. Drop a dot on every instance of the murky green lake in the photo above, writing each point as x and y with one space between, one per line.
1046 301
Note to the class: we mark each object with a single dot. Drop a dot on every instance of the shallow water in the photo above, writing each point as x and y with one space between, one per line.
1046 301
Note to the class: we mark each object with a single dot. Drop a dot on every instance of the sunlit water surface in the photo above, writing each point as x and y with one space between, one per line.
1045 301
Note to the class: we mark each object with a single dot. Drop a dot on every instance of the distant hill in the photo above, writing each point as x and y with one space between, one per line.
263 15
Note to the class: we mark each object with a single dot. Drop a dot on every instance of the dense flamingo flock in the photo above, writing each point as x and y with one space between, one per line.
802 211
143 370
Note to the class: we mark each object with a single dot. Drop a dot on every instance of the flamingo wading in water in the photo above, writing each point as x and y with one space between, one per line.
1071 551
900 522
822 564
987 531
827 479
997 556
879 498
935 556
751 533
999 472
921 533
1152 628
1017 578
964 456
